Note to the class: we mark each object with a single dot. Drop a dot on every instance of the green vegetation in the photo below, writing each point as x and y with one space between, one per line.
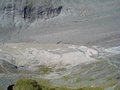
1 88
29 84
45 69
60 69
26 84
66 78
24 72
108 84
91 88
44 84
117 87
92 79
78 80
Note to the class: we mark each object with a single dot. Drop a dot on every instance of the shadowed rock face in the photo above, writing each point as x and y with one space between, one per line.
28 9
33 13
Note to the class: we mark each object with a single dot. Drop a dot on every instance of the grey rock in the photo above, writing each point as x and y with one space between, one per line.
7 67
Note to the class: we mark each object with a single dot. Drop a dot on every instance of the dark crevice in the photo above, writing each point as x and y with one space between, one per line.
10 87
33 13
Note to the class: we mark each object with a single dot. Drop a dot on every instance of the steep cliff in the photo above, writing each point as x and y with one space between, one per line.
62 19
18 13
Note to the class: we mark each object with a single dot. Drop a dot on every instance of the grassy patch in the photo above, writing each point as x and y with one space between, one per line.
108 84
28 84
117 87
66 78
24 72
78 80
90 88
1 88
60 69
92 79
45 69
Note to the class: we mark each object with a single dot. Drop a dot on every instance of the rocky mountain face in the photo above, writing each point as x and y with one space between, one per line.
69 42
19 14
57 16
15 14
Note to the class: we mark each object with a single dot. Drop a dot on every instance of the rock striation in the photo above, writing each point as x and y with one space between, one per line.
15 14
6 67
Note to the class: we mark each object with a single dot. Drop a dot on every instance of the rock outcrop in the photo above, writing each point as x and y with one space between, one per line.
19 14
6 67
14 10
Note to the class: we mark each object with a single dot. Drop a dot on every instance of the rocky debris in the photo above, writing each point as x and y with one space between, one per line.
33 56
7 57
65 56
7 67
86 68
